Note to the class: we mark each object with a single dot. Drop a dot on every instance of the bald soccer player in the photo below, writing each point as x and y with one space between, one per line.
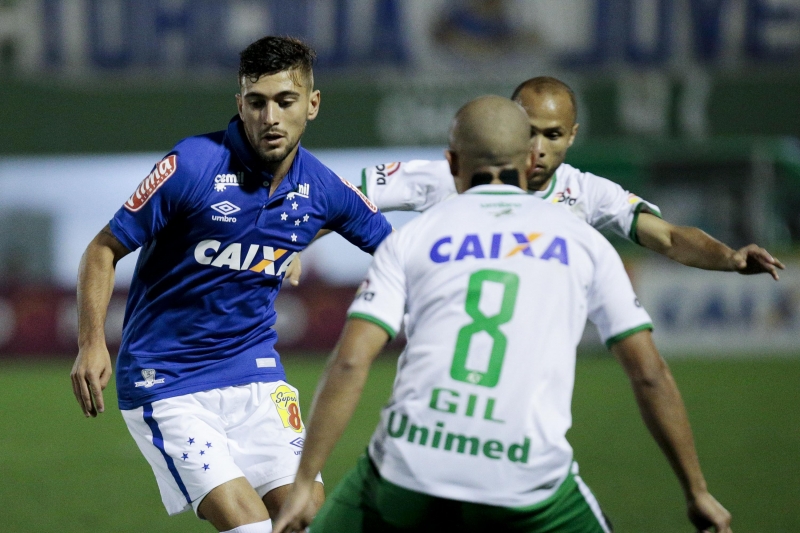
552 112
497 286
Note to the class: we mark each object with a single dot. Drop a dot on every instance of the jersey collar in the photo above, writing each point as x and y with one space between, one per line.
547 192
494 189
237 139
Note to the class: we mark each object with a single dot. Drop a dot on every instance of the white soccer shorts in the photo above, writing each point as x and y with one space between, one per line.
199 441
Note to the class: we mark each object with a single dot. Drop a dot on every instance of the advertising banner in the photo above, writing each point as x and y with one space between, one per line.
697 312
173 38
694 312
42 321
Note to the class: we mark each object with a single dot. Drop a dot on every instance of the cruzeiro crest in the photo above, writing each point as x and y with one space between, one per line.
149 376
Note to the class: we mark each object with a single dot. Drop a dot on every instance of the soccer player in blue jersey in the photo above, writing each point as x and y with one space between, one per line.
219 219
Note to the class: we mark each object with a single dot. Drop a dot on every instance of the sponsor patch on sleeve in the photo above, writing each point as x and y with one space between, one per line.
387 169
372 207
633 199
160 174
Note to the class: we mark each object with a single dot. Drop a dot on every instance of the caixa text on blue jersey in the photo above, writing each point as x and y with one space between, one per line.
231 257
498 246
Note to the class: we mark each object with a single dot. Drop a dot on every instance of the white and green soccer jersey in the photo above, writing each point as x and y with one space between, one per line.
497 286
418 185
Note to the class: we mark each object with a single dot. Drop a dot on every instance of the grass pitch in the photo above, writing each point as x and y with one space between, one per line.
62 473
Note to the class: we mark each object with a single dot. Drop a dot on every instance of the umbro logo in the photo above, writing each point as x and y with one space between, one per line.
299 441
225 208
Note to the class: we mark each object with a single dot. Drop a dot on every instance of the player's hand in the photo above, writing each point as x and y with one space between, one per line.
708 515
90 375
752 259
293 271
297 511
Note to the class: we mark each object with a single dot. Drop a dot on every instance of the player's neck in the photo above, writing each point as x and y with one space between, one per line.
273 186
532 187
280 169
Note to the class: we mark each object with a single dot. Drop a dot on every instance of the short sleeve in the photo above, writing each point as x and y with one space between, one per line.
614 209
410 186
354 216
164 193
381 299
613 306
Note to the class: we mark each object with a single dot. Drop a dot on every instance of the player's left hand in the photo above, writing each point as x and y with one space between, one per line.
297 512
752 259
708 515
293 271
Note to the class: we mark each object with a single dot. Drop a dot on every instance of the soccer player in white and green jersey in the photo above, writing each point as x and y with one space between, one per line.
552 112
497 286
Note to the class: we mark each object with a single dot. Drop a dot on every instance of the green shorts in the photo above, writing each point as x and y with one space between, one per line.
363 502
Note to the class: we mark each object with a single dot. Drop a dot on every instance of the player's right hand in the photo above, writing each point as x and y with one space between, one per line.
752 259
708 515
90 375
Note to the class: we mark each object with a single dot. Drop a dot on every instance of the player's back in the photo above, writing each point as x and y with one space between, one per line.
498 287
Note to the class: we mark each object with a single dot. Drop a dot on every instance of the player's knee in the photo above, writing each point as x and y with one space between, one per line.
233 502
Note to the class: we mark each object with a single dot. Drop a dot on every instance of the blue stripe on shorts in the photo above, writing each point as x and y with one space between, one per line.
158 442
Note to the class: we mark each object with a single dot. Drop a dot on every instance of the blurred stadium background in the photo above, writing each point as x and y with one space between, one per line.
692 104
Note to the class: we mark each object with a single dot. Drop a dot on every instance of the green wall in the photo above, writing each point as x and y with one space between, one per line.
39 117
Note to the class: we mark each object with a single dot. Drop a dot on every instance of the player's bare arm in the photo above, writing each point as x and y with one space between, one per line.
92 368
334 404
693 247
665 416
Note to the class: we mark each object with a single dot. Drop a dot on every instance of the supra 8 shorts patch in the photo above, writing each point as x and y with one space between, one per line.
288 408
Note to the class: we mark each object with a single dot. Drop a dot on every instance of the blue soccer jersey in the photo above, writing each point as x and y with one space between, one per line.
215 247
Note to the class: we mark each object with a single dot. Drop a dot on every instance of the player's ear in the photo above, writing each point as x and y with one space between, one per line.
573 133
452 160
313 104
239 103
455 168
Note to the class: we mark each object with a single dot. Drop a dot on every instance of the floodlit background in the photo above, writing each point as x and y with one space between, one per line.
692 104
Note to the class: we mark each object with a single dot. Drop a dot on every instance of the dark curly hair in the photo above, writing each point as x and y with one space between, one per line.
270 55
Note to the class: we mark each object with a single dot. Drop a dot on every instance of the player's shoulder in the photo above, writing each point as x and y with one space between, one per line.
567 174
433 218
336 188
558 215
311 169
565 222
420 169
189 161
199 155
205 147
437 167
314 169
